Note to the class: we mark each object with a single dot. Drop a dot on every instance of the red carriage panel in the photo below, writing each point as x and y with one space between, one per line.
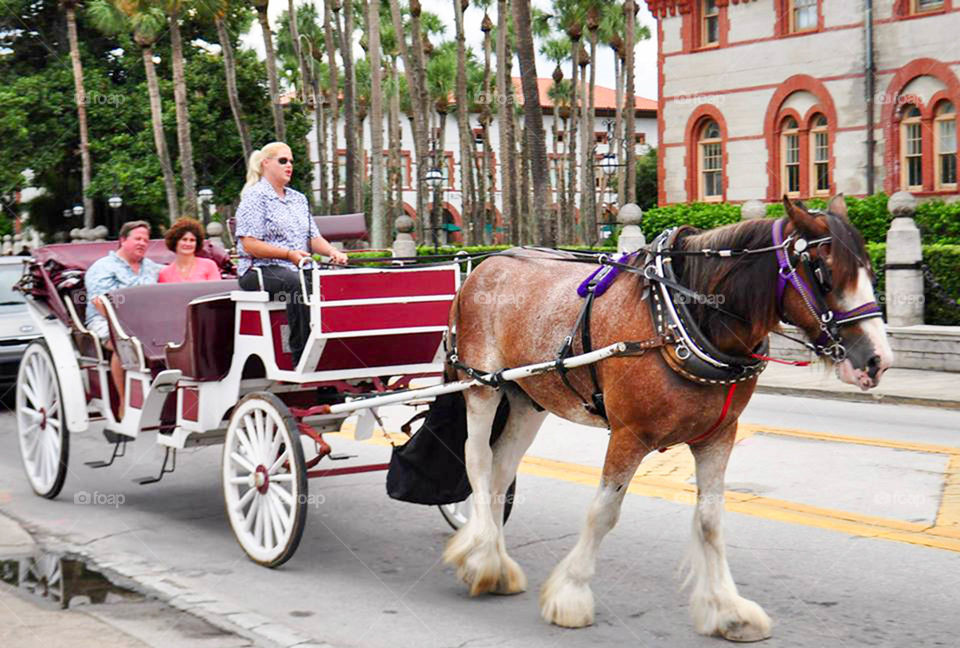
369 317
388 284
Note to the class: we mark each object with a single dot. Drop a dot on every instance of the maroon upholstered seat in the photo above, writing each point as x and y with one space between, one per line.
207 348
339 227
80 256
157 315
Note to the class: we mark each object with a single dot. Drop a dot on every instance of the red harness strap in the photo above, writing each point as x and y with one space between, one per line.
715 426
795 363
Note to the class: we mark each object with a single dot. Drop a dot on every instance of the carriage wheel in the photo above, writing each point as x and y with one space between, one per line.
264 479
458 513
44 438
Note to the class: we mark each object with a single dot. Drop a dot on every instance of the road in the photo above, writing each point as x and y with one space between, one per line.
842 522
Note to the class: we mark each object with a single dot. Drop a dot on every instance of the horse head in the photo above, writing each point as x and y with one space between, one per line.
826 289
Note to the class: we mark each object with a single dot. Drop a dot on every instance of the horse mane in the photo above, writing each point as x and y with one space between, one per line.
848 252
744 285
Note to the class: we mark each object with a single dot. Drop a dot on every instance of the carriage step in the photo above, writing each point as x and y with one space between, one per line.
168 452
119 450
340 457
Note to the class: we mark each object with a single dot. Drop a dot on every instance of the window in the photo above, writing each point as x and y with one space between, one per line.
820 154
912 147
922 6
711 163
945 141
803 15
710 24
791 156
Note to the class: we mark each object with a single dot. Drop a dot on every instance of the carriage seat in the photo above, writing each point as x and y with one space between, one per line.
145 319
207 348
338 227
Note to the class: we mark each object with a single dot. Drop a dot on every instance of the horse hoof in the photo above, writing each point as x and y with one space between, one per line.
481 570
512 579
566 604
744 632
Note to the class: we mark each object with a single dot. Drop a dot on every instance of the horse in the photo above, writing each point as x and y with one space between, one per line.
515 309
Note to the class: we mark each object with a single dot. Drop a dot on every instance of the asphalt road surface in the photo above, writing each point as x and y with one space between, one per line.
842 523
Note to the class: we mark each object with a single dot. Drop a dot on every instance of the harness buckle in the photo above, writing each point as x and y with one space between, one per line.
682 351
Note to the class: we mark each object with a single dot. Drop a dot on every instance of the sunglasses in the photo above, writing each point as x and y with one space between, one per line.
283 161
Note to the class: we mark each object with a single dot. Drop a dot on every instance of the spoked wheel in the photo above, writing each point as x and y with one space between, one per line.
265 479
458 513
44 438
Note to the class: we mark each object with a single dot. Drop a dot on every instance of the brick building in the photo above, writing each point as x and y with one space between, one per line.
806 97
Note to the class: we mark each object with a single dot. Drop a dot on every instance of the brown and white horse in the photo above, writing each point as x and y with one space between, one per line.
515 310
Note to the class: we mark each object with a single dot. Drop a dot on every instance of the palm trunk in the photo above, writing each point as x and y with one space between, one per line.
345 33
381 234
319 123
534 227
188 174
333 99
505 121
159 139
630 187
305 78
589 150
230 73
532 113
571 139
86 173
617 145
421 96
463 126
396 173
279 128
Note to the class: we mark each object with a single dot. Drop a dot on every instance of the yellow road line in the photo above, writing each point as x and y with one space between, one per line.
665 476
842 438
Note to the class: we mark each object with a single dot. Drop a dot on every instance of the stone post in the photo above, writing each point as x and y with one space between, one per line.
904 280
99 233
752 210
214 233
631 237
404 246
7 248
17 243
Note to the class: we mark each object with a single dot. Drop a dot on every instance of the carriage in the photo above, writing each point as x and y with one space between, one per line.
207 363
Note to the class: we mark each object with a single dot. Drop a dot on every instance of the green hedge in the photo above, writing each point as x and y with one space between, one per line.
944 263
939 222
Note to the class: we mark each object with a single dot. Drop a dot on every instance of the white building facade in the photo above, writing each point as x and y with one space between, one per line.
760 98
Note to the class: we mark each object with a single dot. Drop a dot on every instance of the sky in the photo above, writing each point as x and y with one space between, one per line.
646 52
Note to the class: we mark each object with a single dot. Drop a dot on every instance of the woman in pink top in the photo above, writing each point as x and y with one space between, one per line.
183 238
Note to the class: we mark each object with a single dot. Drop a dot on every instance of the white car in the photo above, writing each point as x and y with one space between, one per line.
16 327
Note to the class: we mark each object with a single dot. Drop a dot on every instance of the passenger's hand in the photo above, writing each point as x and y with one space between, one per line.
338 257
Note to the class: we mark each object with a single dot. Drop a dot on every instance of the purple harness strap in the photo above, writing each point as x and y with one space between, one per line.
604 276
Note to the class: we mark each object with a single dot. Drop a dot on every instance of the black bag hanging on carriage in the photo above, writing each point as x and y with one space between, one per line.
430 468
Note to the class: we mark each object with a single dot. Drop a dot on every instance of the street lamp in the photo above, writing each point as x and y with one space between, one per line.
205 195
608 164
434 178
67 213
115 202
78 210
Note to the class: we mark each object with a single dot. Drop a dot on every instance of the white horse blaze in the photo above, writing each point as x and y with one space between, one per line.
873 328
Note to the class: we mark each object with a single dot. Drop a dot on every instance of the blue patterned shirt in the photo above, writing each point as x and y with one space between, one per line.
285 222
112 273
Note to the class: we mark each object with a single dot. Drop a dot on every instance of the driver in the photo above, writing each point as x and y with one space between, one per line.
275 230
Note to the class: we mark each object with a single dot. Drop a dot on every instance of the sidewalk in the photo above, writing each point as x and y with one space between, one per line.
27 623
898 386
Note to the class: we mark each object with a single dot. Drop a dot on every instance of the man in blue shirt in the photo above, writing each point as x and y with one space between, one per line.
126 266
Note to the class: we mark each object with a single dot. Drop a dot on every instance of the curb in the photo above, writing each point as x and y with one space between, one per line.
879 399
154 581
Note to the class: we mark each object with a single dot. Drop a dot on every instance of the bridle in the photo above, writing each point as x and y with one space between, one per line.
830 342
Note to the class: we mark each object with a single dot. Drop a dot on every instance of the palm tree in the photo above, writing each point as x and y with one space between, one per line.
508 144
463 122
441 75
147 23
486 222
557 51
532 113
568 17
188 174
333 96
345 33
86 174
279 127
379 228
630 9
217 9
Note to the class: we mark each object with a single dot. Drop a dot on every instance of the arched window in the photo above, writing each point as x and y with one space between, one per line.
911 147
790 156
820 155
710 147
945 143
